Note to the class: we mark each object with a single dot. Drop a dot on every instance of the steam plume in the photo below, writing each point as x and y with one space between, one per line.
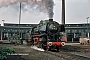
45 6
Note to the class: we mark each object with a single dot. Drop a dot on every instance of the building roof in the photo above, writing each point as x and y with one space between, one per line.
11 25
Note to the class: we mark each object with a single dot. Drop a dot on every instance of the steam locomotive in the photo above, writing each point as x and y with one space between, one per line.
48 35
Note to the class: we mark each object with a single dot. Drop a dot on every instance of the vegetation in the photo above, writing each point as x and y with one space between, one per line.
4 52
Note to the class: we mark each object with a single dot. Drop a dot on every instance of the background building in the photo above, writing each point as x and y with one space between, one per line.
9 30
73 31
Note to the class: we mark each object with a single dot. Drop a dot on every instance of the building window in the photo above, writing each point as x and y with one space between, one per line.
22 30
67 25
26 25
77 25
15 30
4 29
8 30
80 31
68 31
75 31
30 25
11 29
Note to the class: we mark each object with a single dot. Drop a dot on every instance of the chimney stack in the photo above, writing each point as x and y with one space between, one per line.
63 11
50 20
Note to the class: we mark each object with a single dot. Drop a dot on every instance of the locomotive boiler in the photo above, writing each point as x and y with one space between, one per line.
47 35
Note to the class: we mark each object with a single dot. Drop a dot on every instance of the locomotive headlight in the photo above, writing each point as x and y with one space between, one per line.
50 43
63 43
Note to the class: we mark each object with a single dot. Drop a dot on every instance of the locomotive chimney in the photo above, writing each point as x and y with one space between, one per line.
50 20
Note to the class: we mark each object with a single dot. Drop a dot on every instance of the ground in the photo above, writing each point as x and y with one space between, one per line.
31 53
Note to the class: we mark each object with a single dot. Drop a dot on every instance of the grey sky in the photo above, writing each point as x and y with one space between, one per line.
76 12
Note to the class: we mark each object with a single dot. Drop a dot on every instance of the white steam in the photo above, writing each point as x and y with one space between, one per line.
36 48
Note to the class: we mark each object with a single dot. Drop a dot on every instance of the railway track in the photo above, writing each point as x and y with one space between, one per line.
69 55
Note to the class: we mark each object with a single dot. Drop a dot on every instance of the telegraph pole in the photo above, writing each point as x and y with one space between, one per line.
19 20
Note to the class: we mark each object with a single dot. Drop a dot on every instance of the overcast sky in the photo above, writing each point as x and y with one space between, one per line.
76 12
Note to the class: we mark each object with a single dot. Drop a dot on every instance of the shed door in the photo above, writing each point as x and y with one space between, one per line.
70 36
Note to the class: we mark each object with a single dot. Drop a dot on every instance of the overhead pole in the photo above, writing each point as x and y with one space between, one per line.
87 27
19 20
63 11
20 14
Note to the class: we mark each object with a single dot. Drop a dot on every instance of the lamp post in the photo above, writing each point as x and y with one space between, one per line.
2 28
3 22
18 34
87 26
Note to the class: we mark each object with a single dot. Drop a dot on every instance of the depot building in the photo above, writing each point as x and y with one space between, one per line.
73 31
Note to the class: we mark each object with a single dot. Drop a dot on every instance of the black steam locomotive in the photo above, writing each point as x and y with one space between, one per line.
47 35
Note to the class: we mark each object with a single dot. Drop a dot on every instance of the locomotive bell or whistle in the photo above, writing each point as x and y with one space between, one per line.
50 20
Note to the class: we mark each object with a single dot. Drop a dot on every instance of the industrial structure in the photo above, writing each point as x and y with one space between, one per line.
63 12
73 31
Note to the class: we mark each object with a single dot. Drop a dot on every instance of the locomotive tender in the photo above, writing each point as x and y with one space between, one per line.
47 35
